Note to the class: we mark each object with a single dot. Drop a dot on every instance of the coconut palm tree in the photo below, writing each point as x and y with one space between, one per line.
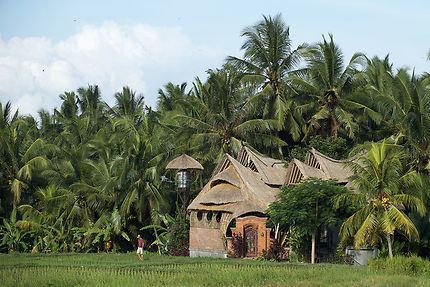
172 97
128 105
267 61
383 192
142 150
411 111
22 152
375 84
329 90
91 106
6 166
222 119
403 100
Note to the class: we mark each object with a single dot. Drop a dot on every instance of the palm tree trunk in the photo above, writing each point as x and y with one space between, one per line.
333 125
313 246
390 248
314 232
271 113
276 231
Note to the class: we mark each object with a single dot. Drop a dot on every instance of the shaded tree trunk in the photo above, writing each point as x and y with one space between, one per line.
313 246
314 233
390 248
334 126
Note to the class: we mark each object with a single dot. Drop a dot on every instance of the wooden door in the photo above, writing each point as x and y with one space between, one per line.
251 236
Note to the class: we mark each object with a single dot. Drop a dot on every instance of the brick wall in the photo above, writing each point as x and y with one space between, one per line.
206 238
258 223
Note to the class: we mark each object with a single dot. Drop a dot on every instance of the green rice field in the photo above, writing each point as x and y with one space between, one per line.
125 270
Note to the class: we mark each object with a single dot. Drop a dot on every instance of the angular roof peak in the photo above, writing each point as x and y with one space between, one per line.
272 171
236 189
184 162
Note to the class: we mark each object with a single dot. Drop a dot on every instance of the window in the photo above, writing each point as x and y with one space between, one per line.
218 217
209 216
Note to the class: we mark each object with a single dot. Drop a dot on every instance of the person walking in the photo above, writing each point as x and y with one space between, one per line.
140 243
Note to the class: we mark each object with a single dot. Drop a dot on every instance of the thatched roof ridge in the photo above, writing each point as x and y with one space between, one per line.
307 170
315 151
184 162
332 168
227 175
255 184
272 171
222 194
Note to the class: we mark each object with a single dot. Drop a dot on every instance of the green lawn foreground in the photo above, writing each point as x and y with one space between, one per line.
125 270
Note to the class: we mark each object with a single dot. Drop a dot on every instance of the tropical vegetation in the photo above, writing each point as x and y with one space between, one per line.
308 206
88 176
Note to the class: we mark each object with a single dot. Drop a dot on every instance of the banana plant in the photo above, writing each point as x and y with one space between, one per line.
12 237
162 234
105 229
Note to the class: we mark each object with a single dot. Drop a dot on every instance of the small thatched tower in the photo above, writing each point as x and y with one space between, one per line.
184 162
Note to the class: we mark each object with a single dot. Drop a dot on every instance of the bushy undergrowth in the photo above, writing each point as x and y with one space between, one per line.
413 265
238 247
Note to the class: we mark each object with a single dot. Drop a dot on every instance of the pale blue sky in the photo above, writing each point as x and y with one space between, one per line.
48 47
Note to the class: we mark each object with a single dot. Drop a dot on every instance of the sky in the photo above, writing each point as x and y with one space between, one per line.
54 46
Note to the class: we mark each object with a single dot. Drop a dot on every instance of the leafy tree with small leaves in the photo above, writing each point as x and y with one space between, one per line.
307 207
337 148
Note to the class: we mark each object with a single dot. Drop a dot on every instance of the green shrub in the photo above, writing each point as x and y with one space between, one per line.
413 265
337 148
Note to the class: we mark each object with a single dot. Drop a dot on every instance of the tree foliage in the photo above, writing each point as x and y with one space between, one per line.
87 176
384 190
307 206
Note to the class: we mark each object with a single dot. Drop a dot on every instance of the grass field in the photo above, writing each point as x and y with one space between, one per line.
125 270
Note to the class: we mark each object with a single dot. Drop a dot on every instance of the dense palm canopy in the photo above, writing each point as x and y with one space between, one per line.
331 89
411 111
222 117
87 176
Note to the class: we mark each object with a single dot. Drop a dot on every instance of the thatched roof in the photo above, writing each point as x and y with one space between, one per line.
222 194
306 171
235 189
184 162
332 168
227 175
318 165
272 171
251 182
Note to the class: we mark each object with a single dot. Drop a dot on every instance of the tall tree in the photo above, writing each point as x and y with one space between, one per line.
384 189
21 152
268 59
129 105
222 119
412 107
142 150
375 84
7 158
172 97
330 89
